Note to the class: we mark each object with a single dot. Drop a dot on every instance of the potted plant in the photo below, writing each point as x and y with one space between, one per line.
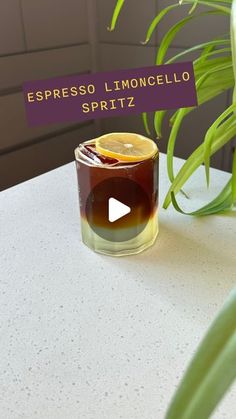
215 72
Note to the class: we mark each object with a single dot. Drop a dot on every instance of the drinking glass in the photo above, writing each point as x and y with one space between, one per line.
107 185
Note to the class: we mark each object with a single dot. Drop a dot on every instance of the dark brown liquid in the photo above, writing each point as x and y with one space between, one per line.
93 168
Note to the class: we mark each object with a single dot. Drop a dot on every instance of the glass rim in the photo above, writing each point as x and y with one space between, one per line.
77 153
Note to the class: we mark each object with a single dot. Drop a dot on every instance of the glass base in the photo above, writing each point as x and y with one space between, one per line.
130 247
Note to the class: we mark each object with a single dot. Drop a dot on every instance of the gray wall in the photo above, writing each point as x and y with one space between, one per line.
54 38
38 39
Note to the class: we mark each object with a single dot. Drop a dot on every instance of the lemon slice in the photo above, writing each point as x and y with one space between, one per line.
126 146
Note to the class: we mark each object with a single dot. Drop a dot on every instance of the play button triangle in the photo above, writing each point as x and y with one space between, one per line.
116 209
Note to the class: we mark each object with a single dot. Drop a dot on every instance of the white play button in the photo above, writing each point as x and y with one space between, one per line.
116 209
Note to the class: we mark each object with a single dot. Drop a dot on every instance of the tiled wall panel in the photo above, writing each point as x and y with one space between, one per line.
38 40
14 125
54 23
24 163
11 28
114 57
16 69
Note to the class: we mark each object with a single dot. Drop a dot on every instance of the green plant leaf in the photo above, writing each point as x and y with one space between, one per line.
173 135
145 123
116 12
171 142
204 94
211 91
214 5
209 53
221 203
224 201
211 44
211 132
193 8
210 65
207 93
158 120
234 178
226 132
157 20
172 32
233 42
162 14
159 115
211 371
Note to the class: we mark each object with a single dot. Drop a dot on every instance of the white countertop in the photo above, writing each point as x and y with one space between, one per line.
90 336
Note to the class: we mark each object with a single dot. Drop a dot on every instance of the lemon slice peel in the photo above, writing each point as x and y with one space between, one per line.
127 147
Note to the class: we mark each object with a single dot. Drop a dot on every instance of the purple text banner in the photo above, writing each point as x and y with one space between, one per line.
107 94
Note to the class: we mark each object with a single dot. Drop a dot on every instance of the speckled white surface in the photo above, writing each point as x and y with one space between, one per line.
89 336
